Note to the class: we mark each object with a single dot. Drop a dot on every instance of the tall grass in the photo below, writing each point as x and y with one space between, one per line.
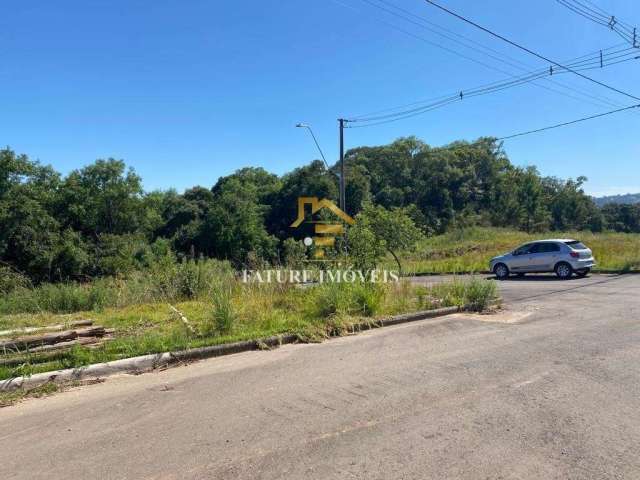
359 299
174 281
470 249
228 310
223 311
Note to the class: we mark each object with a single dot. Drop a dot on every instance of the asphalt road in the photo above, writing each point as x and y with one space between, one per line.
555 396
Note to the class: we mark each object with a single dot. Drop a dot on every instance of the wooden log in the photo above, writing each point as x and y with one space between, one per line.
183 319
46 328
25 343
97 331
48 353
65 345
43 357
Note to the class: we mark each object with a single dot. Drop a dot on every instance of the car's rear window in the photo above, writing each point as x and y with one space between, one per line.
576 245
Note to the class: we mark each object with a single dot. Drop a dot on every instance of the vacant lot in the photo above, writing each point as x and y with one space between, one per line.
469 250
223 311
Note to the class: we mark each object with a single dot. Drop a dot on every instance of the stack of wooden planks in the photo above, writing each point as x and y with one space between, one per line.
30 341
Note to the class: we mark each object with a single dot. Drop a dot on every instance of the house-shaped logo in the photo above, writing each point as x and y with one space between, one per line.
325 231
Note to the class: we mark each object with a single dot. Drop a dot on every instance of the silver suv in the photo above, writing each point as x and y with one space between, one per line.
563 256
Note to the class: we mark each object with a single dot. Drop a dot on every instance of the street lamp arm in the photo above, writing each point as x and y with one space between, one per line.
303 125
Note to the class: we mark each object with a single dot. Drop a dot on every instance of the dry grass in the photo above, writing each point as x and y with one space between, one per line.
470 250
244 311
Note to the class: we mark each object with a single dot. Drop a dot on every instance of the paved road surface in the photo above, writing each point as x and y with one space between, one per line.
556 396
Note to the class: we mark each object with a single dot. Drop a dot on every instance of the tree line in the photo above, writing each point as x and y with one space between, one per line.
98 220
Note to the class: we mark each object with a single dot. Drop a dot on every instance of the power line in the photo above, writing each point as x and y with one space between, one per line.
517 45
601 100
409 114
601 11
583 13
583 62
379 116
584 119
422 22
599 16
546 78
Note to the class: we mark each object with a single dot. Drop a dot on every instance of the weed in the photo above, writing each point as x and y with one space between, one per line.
10 398
223 311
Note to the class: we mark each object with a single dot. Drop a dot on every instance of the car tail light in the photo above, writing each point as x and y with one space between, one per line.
575 254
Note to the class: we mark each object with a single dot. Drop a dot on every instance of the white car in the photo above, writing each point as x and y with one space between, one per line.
562 256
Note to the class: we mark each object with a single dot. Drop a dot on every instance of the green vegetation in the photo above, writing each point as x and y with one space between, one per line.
94 244
98 222
469 249
15 396
229 310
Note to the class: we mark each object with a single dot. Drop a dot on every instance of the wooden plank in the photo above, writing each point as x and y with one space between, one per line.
46 328
65 345
47 353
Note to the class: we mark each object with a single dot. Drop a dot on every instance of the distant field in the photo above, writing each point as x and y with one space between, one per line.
469 250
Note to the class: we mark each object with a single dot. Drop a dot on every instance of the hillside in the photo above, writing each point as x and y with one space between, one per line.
626 198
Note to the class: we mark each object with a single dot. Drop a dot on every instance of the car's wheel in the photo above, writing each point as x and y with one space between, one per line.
501 271
563 270
583 273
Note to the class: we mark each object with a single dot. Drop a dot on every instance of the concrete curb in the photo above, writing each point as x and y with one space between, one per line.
150 362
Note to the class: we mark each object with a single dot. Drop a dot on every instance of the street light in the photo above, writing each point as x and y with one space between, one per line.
308 127
341 186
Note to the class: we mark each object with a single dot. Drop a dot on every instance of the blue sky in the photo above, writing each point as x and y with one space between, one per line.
188 91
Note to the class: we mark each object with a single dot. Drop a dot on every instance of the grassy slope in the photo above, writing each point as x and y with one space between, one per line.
471 249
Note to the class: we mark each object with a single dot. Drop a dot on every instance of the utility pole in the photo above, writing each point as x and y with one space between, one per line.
343 202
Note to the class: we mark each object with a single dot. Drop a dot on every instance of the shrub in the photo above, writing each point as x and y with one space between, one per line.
368 298
294 252
11 280
365 248
478 294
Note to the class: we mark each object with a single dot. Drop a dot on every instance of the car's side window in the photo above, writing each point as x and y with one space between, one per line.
523 250
547 248
537 248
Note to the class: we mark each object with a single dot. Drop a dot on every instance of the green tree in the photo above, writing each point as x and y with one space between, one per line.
312 180
102 198
391 230
366 250
235 225
622 217
570 208
531 197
